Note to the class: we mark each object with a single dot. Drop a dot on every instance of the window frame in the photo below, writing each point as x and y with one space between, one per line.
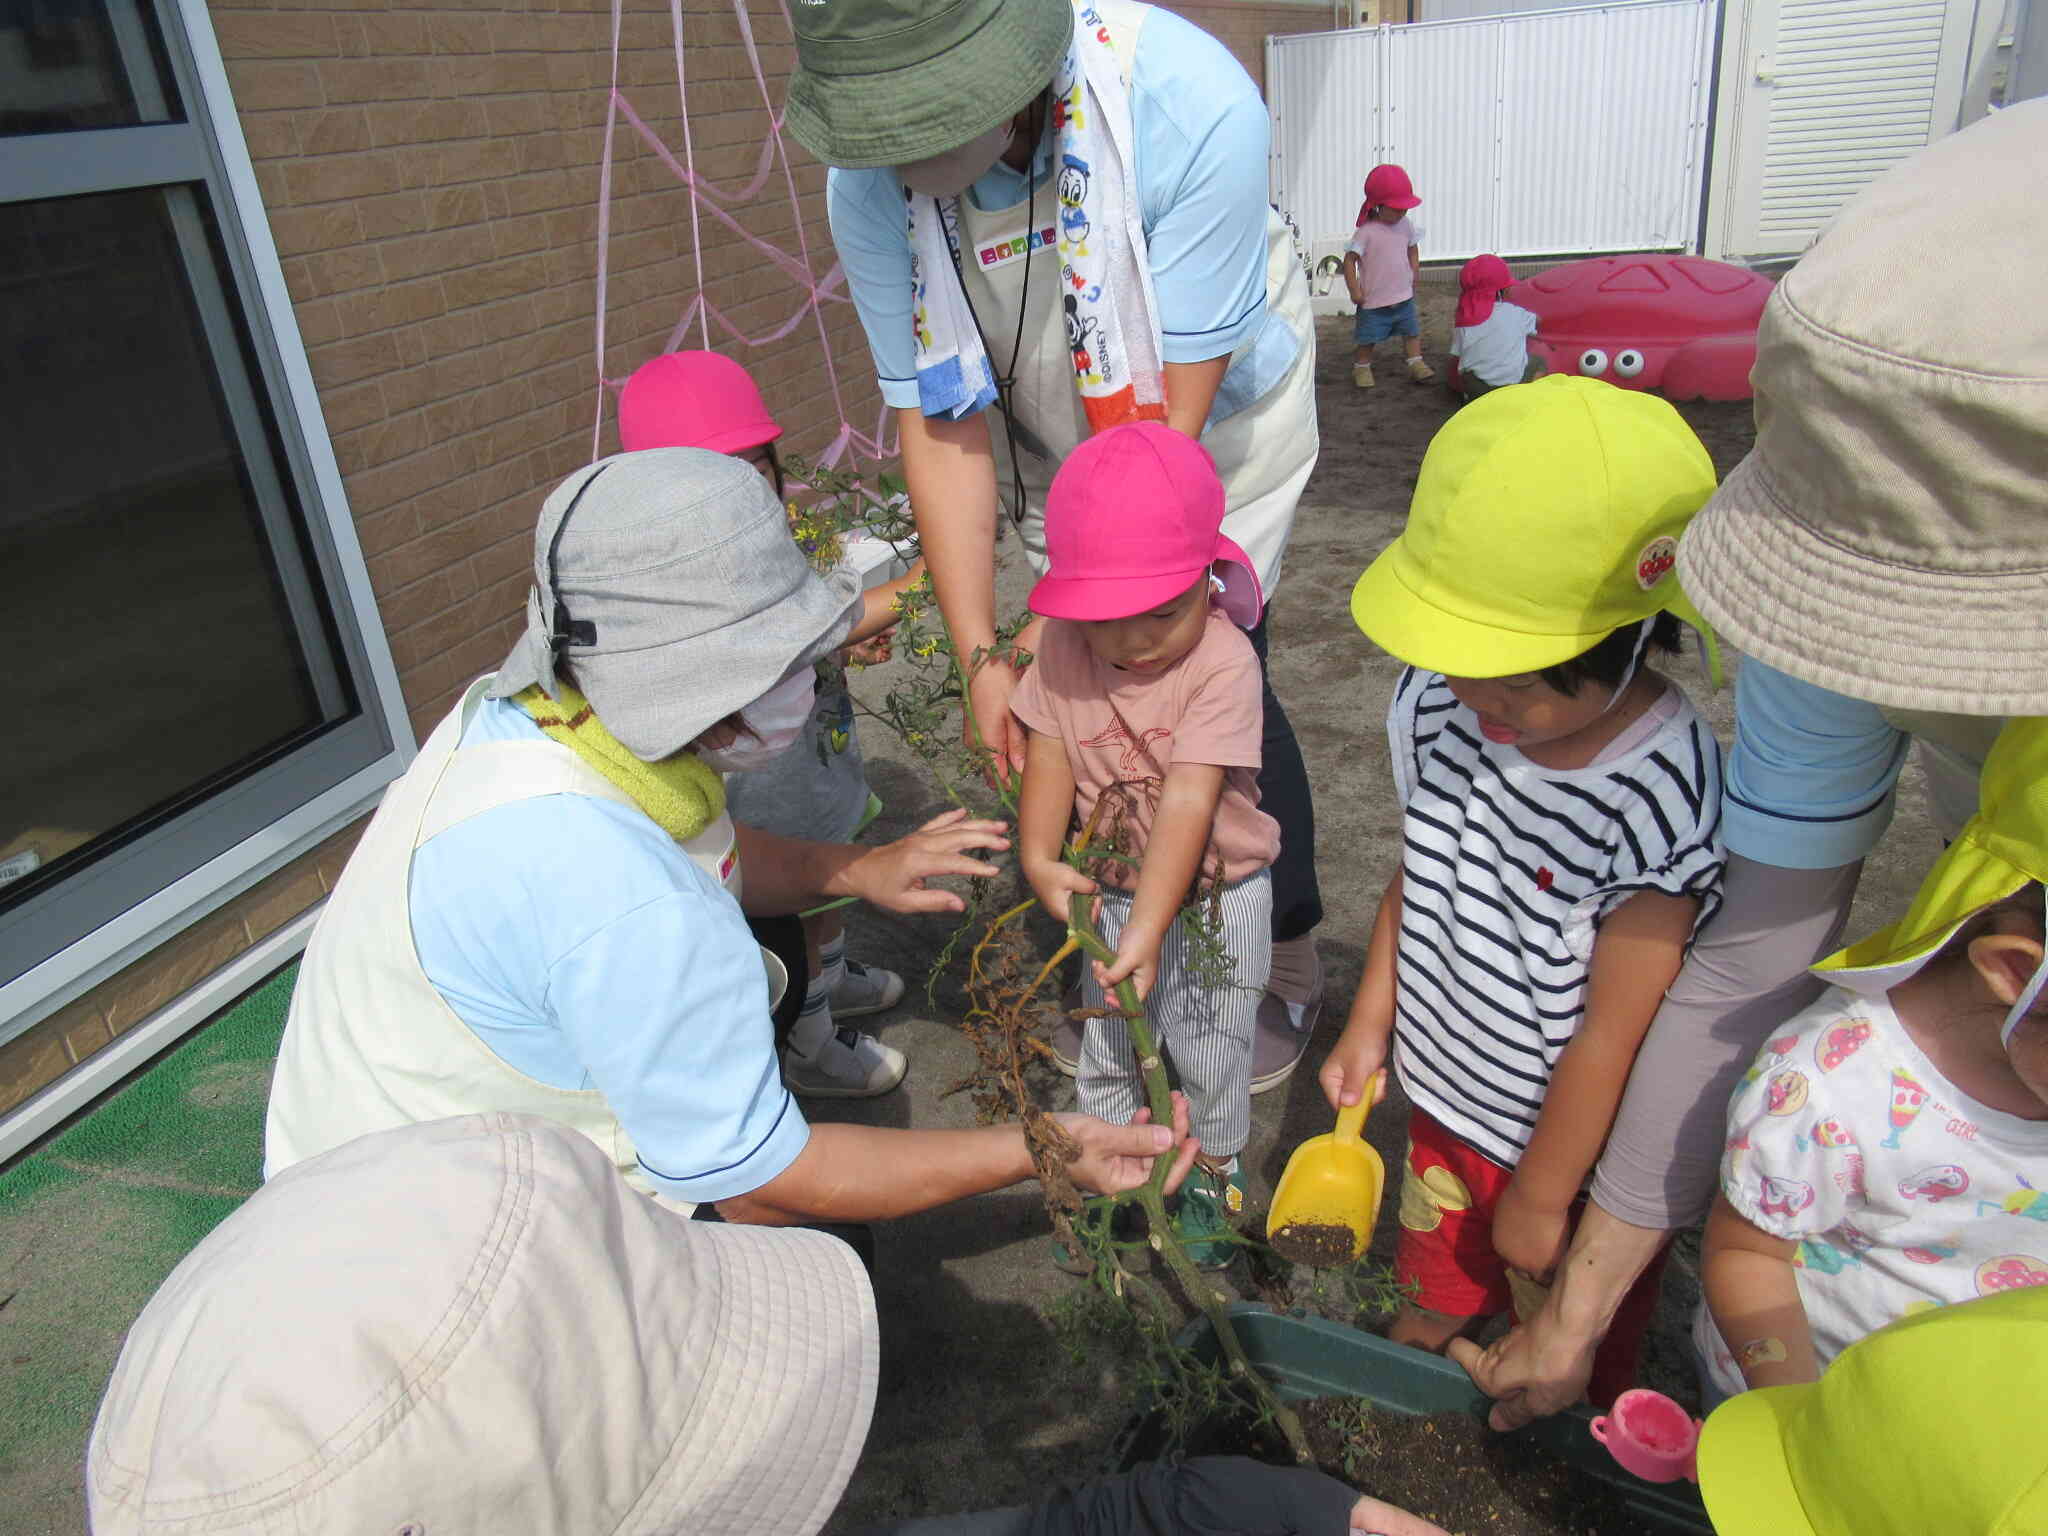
308 791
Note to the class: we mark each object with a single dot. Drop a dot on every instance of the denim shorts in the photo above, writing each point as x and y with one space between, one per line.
1374 325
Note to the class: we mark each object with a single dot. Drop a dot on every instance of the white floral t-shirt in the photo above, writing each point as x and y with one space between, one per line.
1902 1192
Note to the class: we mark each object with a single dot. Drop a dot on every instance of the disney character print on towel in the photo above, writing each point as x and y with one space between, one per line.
1084 339
1072 187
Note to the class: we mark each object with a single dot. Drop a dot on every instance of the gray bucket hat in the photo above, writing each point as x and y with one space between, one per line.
668 581
473 1326
890 82
1887 538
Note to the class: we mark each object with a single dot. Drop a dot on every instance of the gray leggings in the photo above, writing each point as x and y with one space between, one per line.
1745 975
1207 1032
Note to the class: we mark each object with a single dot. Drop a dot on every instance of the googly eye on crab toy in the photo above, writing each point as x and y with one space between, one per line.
1679 324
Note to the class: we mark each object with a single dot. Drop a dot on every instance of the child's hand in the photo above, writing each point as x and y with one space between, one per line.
1353 1069
871 652
1052 882
1528 1234
1137 958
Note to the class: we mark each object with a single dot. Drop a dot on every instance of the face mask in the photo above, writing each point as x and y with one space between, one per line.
952 173
776 720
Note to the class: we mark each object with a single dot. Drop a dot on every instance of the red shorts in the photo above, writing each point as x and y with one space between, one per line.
1448 1195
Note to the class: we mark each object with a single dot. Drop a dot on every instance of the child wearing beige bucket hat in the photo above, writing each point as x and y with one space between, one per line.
473 1327
1881 558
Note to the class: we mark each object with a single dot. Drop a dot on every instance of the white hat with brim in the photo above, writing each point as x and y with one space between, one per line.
472 1327
668 582
1887 538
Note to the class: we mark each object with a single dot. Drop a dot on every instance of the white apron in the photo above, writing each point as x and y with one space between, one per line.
1264 448
370 1044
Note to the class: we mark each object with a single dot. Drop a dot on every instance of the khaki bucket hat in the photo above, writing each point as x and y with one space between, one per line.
1887 538
891 82
668 581
473 1327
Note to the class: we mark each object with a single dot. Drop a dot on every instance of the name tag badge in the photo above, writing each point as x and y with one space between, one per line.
1000 252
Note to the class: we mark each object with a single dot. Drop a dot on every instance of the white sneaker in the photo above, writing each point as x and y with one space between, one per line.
864 990
849 1065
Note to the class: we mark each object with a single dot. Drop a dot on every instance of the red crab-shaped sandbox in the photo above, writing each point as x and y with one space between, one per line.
1681 324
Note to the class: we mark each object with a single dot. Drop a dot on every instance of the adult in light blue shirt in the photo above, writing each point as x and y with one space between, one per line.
625 968
954 102
1202 138
572 913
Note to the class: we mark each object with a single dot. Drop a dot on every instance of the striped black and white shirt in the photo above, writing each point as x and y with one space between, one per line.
1507 870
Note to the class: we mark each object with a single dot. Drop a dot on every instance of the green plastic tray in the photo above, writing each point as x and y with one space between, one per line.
1310 1357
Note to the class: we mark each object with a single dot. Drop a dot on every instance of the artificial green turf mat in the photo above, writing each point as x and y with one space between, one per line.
92 1222
195 1117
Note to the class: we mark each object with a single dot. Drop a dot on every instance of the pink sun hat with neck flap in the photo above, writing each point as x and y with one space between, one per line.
1133 519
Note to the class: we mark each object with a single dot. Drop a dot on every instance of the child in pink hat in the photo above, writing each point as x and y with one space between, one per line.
1146 692
1379 268
1489 335
816 789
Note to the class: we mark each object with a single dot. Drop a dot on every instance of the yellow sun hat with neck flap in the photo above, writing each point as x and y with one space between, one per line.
1546 517
2002 849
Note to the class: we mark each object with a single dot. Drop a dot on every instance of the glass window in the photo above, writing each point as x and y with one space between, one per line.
176 638
67 65
191 669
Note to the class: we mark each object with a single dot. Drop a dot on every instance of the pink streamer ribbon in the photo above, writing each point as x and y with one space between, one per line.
815 292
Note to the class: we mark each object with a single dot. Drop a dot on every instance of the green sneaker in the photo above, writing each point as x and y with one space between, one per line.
1209 1206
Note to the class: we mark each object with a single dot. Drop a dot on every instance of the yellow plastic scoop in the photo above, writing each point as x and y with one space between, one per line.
1329 1197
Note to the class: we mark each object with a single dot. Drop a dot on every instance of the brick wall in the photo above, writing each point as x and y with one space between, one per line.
53 1046
1244 28
431 177
430 173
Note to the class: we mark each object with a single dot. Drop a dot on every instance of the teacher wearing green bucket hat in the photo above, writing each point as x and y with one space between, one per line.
1058 208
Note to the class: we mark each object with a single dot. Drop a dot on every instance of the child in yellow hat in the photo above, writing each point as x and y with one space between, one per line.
1888 1152
1560 830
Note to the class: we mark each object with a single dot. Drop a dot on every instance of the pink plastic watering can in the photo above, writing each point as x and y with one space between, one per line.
1650 1435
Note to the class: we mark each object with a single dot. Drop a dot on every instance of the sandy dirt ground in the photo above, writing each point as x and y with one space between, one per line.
980 1403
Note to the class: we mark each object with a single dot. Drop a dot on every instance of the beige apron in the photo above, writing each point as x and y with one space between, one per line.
371 1044
1264 448
1952 753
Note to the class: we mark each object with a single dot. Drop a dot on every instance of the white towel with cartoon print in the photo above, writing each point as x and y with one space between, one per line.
1106 279
1901 1191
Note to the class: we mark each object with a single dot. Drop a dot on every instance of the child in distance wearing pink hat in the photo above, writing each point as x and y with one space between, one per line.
1379 268
1146 689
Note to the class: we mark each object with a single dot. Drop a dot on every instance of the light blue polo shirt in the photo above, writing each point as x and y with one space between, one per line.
1810 783
588 951
1202 136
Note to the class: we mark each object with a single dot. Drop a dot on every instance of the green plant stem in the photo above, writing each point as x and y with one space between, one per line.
1151 1195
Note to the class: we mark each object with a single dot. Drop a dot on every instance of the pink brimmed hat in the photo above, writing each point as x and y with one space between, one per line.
693 400
1387 184
1133 519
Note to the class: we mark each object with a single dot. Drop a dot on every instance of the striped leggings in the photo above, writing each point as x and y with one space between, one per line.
1207 1033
